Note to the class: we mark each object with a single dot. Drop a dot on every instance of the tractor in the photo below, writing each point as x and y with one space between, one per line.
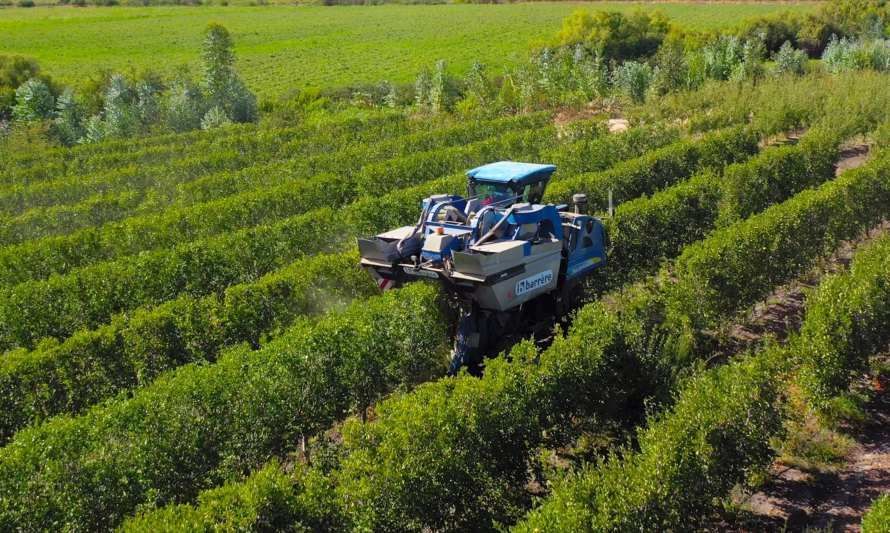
511 264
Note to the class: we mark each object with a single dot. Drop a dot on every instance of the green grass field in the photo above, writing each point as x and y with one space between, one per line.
285 47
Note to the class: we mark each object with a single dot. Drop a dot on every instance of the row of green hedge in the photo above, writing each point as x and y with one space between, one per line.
246 313
56 255
658 169
197 425
409 212
56 163
133 349
720 429
742 263
351 158
131 175
790 170
847 319
268 173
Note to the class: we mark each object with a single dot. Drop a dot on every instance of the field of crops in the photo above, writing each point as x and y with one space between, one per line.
189 342
281 48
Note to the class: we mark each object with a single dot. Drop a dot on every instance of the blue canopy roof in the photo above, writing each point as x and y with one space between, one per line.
511 172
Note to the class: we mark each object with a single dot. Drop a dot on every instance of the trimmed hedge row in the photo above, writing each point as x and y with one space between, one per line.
715 435
657 169
721 427
56 255
133 349
56 163
246 151
197 425
847 319
645 230
64 219
741 264
351 158
269 500
783 173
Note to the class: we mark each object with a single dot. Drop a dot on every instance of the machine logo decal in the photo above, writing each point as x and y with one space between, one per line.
539 280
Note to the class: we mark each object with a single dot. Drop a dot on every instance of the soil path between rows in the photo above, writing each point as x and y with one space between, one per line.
797 500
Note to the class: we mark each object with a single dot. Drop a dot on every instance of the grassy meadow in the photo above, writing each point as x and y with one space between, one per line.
284 47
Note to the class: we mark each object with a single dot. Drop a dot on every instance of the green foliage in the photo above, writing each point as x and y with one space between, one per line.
858 17
720 275
788 60
845 55
657 169
14 72
645 230
714 437
269 500
218 59
847 320
613 35
276 45
877 519
633 79
287 192
34 101
185 107
135 348
194 427
214 118
778 174
68 124
773 30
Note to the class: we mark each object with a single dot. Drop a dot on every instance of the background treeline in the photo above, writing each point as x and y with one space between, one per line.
113 105
600 59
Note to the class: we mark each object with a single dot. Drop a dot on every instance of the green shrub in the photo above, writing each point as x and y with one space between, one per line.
778 174
613 35
789 60
846 320
721 275
774 30
34 101
714 437
633 79
877 519
200 424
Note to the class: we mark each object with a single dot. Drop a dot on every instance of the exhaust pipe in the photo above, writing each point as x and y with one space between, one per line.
580 201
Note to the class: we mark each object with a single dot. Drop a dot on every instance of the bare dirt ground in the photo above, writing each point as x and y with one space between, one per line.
795 499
